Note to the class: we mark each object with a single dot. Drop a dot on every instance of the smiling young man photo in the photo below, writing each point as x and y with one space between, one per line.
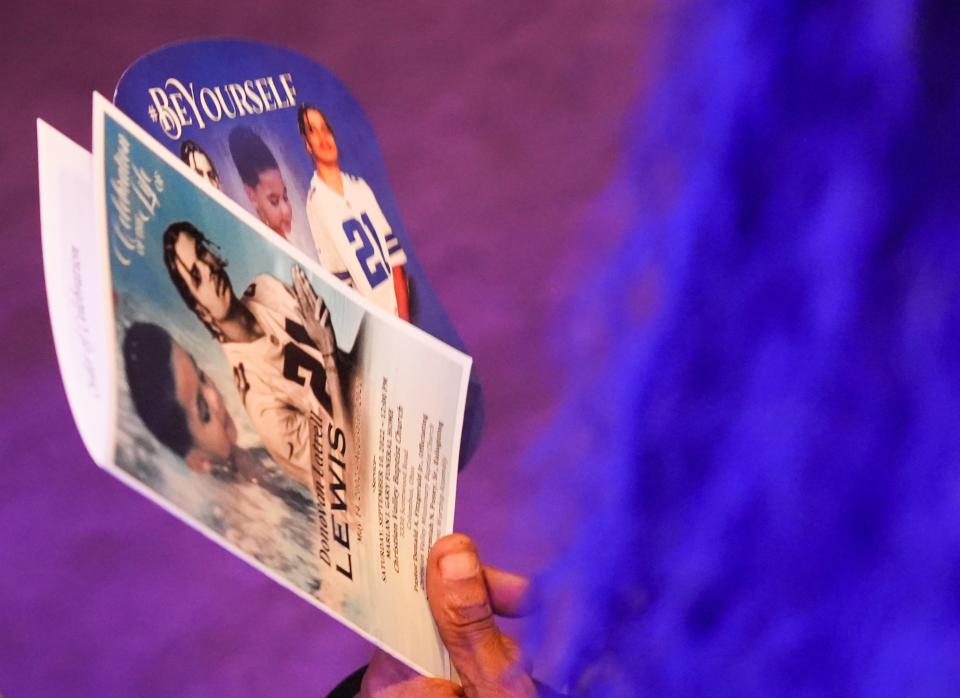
279 342
263 182
353 238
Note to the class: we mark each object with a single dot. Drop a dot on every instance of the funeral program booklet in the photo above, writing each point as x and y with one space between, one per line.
216 368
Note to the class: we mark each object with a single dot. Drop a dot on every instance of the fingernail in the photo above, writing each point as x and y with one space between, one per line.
456 566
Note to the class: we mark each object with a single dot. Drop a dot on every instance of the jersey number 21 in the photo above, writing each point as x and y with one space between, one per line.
369 253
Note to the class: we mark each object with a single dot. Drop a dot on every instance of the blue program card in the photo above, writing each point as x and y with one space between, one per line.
284 138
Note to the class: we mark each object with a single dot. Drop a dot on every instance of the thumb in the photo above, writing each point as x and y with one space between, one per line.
489 663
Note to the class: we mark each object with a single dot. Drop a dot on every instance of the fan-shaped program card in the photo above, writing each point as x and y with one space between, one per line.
283 137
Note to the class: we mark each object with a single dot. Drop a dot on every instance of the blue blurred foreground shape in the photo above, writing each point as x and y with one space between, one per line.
766 396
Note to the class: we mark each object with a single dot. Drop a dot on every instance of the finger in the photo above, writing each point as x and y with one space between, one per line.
305 300
509 593
306 306
420 688
297 285
456 589
305 286
434 688
510 596
322 313
301 285
387 677
384 669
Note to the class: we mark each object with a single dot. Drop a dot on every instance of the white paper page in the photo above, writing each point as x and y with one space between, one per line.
77 284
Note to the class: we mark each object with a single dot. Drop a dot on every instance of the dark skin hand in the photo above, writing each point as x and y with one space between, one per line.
464 598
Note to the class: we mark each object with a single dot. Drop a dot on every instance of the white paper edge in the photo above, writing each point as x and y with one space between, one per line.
75 278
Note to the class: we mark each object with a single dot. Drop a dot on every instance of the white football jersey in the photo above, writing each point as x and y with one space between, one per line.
353 238
280 377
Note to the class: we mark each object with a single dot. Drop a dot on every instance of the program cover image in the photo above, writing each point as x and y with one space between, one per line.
283 137
307 430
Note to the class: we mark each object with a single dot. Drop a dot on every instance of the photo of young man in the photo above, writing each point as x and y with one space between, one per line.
262 180
353 238
278 340
185 411
198 161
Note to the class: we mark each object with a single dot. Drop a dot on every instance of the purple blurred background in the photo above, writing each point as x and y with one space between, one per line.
501 126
